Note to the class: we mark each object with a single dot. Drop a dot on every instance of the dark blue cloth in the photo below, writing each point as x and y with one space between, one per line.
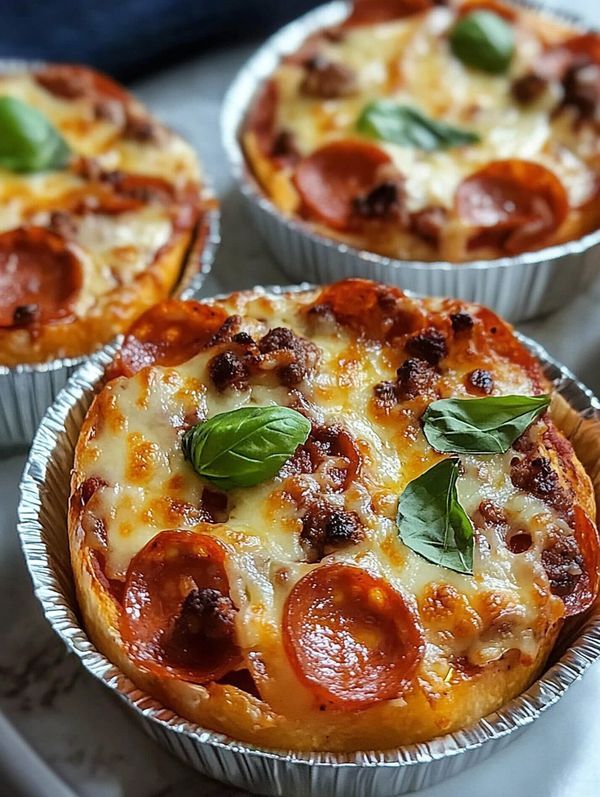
129 38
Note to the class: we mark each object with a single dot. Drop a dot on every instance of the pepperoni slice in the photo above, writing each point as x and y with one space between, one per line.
515 204
500 338
372 12
379 312
168 334
125 192
178 618
351 637
573 565
332 177
71 81
40 277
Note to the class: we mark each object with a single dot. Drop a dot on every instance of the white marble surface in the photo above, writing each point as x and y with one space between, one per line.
78 728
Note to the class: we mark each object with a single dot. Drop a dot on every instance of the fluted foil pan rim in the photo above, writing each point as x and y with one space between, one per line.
235 107
59 429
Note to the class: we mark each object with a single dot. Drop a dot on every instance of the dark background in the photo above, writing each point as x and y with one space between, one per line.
132 38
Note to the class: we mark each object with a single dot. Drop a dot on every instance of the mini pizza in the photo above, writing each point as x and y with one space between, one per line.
99 205
336 519
432 130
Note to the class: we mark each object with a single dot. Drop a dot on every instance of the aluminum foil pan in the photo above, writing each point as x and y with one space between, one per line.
27 390
518 288
43 534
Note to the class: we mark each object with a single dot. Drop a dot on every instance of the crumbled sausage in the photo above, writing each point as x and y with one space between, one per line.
142 129
492 513
385 394
414 377
228 370
563 564
382 202
480 381
25 314
326 79
326 528
428 344
207 612
535 475
428 223
227 331
284 146
528 88
305 354
63 223
581 85
461 322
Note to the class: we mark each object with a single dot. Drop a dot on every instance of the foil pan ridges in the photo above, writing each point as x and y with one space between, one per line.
42 531
518 288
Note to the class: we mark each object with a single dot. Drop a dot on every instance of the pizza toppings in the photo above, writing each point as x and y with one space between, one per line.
327 79
331 450
414 378
178 620
331 178
28 141
385 202
581 84
429 344
432 522
168 334
327 528
379 312
40 277
515 205
481 426
480 381
572 564
351 638
528 88
244 447
484 40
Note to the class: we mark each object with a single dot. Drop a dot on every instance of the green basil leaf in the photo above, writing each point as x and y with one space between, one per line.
408 127
480 426
483 40
28 142
244 447
431 521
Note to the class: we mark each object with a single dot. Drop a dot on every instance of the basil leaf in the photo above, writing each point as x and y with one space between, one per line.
480 426
408 127
483 40
244 447
431 521
28 142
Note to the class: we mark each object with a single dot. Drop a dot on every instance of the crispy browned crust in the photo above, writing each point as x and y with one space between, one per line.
428 710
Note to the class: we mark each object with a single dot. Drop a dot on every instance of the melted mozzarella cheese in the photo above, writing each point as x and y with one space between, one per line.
409 61
112 248
505 605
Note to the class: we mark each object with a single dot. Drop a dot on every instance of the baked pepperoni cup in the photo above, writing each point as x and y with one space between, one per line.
42 528
518 287
28 389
